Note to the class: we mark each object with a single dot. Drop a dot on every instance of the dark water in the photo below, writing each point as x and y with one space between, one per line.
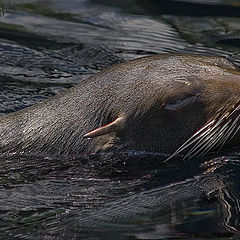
49 46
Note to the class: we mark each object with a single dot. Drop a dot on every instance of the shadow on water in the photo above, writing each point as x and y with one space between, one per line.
49 46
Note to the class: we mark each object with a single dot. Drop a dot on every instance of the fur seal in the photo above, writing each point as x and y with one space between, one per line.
168 103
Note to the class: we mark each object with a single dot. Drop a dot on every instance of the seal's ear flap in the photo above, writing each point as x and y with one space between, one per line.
109 128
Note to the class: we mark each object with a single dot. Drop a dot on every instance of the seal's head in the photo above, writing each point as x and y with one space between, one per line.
178 104
159 103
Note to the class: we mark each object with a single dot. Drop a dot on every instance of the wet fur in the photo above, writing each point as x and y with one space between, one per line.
142 90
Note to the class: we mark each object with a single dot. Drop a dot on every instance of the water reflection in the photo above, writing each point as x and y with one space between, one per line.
47 47
68 197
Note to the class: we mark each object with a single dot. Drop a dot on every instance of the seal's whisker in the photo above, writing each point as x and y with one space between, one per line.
219 136
235 132
202 131
202 143
223 131
229 133
209 134
231 129
213 134
216 139
195 137
222 134
189 142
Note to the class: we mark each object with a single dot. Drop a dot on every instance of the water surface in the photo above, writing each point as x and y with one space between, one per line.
49 46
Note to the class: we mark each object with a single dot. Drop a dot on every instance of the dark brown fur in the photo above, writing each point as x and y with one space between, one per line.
148 92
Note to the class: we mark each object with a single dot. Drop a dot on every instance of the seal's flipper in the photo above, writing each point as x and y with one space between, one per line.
109 128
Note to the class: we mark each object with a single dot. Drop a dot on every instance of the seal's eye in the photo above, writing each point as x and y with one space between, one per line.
180 102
